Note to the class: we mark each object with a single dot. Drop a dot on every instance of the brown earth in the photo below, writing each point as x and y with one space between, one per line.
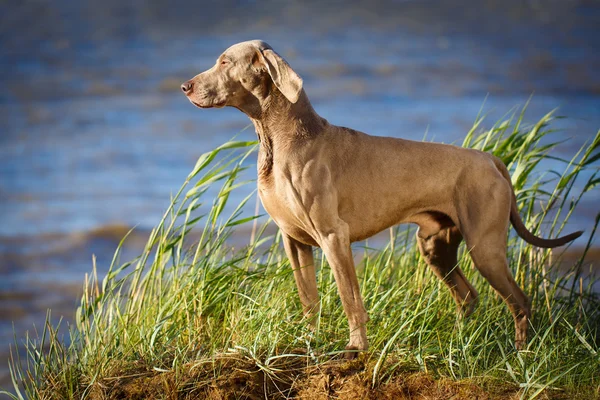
237 377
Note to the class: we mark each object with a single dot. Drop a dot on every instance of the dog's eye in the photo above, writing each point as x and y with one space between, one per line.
224 62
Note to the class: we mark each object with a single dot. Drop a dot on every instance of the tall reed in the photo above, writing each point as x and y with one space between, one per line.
190 297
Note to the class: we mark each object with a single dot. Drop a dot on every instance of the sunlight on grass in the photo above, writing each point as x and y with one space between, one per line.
191 309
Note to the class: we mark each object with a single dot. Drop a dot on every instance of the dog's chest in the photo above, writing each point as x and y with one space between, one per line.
285 210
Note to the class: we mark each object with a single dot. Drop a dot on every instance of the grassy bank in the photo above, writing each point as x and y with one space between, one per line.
192 317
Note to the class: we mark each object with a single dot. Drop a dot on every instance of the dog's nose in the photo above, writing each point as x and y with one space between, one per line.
187 87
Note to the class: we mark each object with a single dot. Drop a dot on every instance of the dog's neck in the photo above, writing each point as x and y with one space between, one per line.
279 122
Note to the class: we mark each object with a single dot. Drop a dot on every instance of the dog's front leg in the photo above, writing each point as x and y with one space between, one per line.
336 246
303 265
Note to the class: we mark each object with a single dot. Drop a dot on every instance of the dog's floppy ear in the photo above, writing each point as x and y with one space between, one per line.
284 77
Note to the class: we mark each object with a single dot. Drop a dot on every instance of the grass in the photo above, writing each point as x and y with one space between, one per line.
192 317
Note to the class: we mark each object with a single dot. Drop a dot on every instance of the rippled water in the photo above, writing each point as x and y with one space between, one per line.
95 135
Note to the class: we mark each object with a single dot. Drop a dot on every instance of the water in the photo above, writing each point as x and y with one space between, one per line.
95 134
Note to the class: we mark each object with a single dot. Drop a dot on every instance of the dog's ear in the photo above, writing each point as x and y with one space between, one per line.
284 77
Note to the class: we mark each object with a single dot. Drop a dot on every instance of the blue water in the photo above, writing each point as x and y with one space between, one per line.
94 131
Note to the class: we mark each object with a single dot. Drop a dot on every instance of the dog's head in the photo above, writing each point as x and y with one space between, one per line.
244 74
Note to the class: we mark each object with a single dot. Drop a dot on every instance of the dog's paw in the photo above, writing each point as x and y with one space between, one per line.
521 345
351 352
354 352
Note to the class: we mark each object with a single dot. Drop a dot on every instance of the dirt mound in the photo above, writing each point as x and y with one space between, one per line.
230 377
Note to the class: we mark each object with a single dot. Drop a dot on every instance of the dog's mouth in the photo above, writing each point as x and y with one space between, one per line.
213 105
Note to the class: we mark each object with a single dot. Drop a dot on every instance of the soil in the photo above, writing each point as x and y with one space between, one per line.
242 378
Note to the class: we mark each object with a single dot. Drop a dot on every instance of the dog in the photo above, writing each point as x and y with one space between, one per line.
329 186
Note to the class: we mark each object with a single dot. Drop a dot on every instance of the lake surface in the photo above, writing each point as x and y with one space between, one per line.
95 134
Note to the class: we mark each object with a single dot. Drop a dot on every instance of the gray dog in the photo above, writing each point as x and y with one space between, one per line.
329 186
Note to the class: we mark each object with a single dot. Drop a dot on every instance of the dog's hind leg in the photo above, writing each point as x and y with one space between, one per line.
484 223
440 253
490 259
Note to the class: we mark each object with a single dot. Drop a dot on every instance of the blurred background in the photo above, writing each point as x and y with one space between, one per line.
95 134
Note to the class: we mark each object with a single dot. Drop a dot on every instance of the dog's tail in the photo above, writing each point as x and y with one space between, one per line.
518 224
